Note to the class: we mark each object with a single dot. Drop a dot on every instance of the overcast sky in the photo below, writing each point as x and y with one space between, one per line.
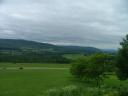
98 23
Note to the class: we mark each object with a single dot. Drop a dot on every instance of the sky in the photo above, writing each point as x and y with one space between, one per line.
96 23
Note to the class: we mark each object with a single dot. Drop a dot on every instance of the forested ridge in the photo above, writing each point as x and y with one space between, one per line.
16 50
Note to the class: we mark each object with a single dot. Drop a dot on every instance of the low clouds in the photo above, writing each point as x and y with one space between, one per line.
1 1
98 23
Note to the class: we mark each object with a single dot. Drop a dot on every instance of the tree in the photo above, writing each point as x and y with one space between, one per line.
91 67
122 60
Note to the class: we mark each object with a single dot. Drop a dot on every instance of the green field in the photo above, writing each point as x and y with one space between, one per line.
34 82
52 65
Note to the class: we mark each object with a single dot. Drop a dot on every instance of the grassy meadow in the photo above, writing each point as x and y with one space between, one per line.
34 82
52 65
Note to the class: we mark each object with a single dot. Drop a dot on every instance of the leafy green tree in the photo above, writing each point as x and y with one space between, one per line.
91 67
122 60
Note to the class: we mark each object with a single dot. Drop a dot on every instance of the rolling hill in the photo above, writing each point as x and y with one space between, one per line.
15 50
15 44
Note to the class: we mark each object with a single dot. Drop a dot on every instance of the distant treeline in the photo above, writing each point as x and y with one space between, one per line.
32 57
14 50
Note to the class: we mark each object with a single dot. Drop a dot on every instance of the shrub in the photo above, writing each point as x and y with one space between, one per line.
21 68
66 91
81 91
78 68
4 68
53 92
122 90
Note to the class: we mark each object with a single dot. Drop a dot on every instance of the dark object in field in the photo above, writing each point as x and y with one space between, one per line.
21 68
4 68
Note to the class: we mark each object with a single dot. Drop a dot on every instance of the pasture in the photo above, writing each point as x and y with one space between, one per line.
33 82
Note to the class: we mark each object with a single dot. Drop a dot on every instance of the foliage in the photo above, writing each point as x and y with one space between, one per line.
37 82
13 50
81 91
66 91
91 67
122 60
32 57
122 90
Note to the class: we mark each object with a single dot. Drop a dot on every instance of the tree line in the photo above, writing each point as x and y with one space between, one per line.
33 57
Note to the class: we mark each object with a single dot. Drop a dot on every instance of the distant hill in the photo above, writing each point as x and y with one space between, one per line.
19 44
15 44
111 51
14 50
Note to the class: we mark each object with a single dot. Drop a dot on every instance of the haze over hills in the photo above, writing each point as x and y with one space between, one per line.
110 50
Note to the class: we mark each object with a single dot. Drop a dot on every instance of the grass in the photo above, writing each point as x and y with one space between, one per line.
36 82
113 81
31 82
50 65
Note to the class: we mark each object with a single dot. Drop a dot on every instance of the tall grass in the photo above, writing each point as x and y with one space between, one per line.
79 91
66 91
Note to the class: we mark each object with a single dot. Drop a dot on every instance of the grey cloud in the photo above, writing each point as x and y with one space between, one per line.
1 1
98 23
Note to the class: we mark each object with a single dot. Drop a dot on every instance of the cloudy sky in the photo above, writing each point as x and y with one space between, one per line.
98 23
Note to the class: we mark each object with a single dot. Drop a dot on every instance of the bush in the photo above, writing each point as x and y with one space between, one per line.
78 68
122 90
66 91
81 91
4 68
21 68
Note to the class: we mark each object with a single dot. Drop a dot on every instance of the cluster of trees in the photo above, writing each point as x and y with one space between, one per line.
94 67
33 57
97 66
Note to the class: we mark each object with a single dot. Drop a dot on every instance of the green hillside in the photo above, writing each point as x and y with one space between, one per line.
16 44
15 50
